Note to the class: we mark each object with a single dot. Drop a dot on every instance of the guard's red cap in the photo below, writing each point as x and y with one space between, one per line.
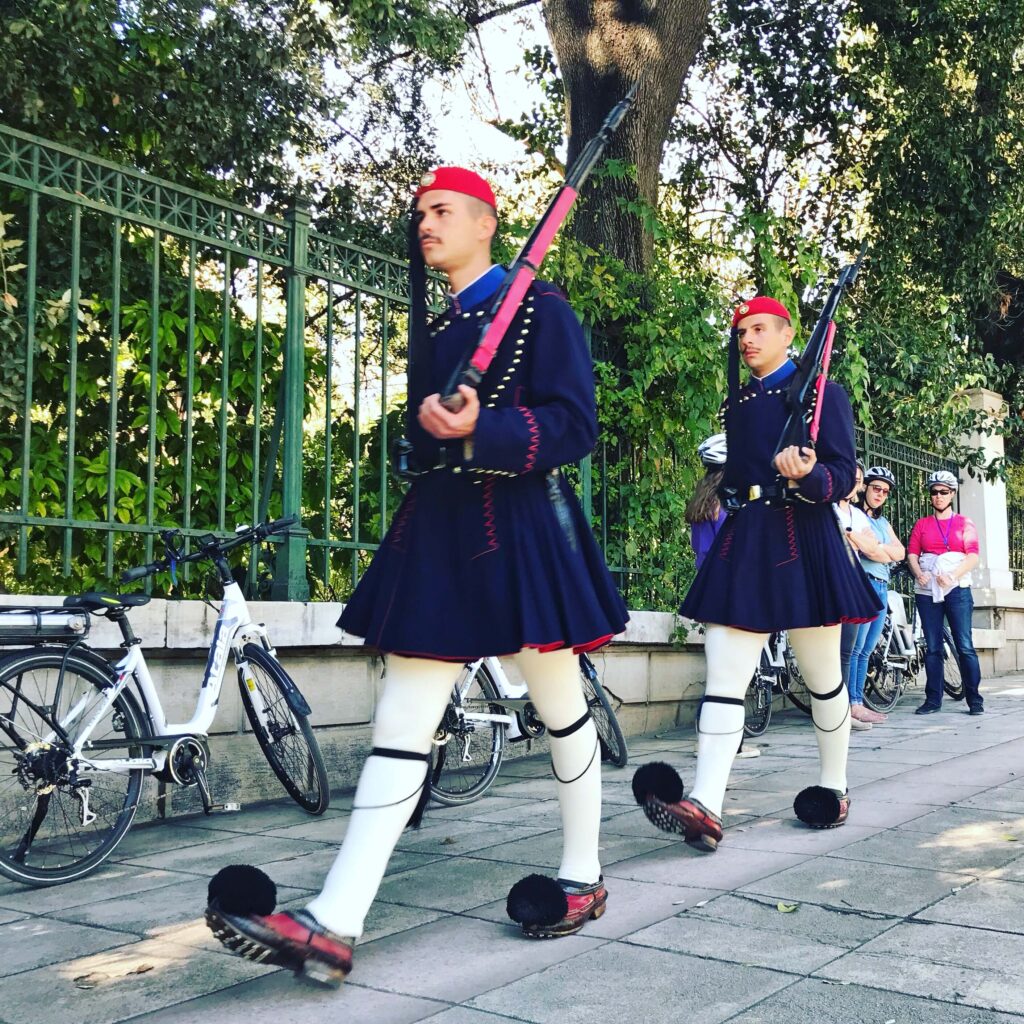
762 304
457 179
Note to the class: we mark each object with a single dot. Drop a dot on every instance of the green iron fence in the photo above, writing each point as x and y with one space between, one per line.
171 359
1016 525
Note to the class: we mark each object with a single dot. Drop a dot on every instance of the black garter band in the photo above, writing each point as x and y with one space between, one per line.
712 699
828 696
568 731
423 790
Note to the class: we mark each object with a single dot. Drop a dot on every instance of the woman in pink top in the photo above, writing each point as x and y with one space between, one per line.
941 552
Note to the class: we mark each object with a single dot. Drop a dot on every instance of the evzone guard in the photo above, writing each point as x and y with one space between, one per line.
778 562
488 554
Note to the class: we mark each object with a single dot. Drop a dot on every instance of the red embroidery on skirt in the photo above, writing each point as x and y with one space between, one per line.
794 554
398 537
831 484
723 551
490 529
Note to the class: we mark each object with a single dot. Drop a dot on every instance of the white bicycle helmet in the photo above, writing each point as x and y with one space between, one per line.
880 473
943 478
712 451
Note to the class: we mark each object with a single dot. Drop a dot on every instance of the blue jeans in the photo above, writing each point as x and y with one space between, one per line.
864 643
957 610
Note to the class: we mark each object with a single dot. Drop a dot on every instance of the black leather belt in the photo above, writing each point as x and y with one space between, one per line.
735 498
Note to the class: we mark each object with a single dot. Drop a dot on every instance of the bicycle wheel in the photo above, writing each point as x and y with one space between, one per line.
952 681
468 752
609 732
285 735
757 703
47 832
790 676
884 689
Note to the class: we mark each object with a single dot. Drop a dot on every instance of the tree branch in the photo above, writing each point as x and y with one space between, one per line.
479 19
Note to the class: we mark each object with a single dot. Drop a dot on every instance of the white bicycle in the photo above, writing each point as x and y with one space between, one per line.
487 711
76 738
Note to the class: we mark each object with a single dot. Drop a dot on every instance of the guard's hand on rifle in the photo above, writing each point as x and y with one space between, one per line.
437 421
794 462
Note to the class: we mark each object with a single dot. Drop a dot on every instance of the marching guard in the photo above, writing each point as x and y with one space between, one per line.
488 554
778 562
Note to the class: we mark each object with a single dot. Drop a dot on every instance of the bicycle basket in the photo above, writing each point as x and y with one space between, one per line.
38 625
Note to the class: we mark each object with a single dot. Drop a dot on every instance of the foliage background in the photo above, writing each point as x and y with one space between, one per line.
800 132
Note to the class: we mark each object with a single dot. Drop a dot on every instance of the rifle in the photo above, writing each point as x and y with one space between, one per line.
812 366
525 266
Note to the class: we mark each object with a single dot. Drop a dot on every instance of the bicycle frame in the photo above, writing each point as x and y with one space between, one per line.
234 629
512 697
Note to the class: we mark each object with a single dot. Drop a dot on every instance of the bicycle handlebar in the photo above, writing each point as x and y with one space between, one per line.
209 548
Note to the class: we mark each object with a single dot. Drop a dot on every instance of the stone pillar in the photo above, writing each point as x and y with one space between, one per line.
985 502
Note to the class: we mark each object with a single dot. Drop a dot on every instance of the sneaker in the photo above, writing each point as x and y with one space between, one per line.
928 709
749 752
295 940
978 709
699 827
860 726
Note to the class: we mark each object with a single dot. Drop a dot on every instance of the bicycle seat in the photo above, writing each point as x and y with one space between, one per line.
96 601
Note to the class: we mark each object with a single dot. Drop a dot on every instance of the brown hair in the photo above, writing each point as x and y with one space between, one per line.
704 506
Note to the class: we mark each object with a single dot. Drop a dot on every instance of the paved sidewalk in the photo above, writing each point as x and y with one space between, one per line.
914 911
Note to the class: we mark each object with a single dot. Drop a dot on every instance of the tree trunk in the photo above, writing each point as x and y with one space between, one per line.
602 47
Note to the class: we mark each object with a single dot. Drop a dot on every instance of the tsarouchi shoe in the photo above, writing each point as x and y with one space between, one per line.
292 939
819 807
658 789
548 908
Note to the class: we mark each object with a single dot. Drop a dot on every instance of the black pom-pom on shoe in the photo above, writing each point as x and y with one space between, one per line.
819 807
659 780
242 889
537 900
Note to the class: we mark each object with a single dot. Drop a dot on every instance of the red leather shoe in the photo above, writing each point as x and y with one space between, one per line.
295 940
818 807
548 909
699 827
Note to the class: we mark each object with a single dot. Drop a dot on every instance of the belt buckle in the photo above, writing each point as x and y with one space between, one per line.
754 493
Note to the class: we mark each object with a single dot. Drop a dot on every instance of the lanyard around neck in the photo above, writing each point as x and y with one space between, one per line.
949 529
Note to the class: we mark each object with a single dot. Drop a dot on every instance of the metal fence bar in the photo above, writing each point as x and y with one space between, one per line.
356 391
154 369
32 245
225 393
114 390
72 409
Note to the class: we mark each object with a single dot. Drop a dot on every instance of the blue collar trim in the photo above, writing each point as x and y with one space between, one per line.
776 377
479 291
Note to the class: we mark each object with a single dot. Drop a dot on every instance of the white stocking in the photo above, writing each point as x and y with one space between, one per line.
732 656
817 653
416 692
556 691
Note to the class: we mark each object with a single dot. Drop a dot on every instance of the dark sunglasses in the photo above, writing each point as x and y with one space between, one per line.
942 493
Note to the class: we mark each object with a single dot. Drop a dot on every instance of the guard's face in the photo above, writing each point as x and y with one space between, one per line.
764 340
452 230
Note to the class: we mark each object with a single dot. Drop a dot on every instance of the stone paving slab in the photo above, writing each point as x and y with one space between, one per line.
987 903
980 968
816 1001
858 885
914 911
973 850
119 984
658 988
284 1000
457 958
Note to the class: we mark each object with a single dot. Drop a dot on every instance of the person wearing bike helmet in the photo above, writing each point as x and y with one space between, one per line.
942 550
858 534
778 562
879 483
489 554
704 511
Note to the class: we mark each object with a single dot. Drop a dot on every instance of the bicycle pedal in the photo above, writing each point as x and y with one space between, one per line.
229 807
